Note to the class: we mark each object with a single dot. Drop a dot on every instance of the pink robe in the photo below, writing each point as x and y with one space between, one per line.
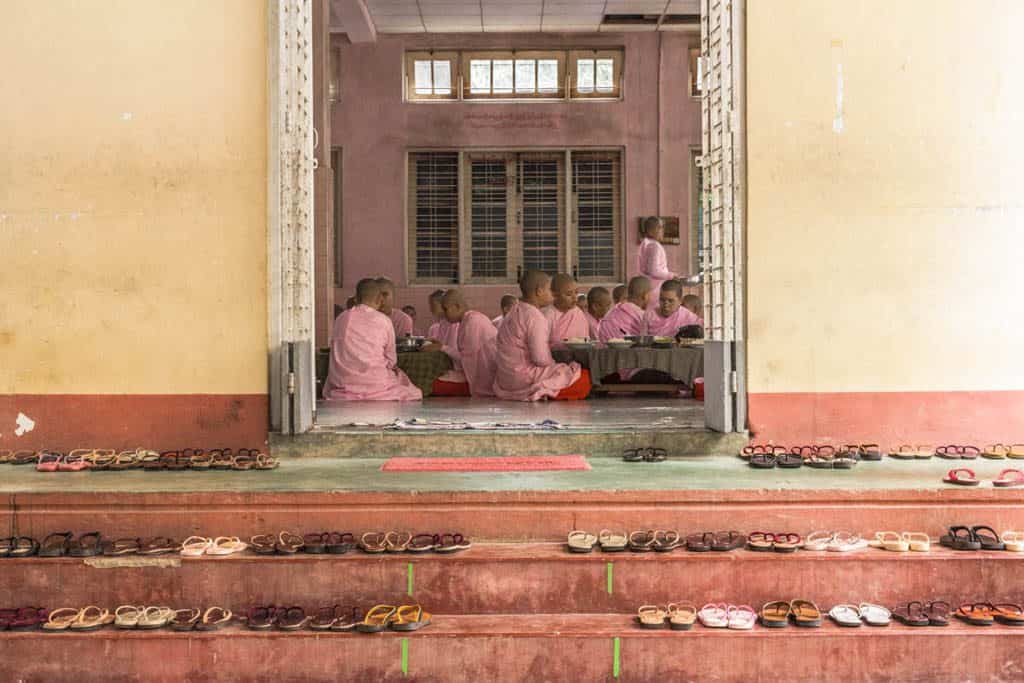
525 370
364 365
592 325
476 350
653 264
448 334
667 327
571 323
402 322
497 321
625 319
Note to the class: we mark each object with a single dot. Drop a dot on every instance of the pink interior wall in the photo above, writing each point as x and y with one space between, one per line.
655 126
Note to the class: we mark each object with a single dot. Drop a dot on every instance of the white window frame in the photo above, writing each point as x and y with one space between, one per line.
409 75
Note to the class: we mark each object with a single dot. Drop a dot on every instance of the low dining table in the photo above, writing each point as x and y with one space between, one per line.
684 363
423 367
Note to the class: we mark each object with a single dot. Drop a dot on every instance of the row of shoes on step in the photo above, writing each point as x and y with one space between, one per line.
336 618
102 459
766 456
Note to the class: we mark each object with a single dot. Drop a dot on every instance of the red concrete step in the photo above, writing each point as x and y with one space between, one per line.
507 648
517 578
513 515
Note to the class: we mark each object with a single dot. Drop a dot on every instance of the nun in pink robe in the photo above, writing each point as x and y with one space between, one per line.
364 364
652 263
476 351
667 327
525 370
625 319
401 322
592 325
448 334
566 324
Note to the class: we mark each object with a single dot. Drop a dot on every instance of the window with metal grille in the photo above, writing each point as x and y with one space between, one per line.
513 211
434 215
597 203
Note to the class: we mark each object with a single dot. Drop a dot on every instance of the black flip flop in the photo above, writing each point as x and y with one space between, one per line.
86 545
989 540
763 461
938 612
911 616
55 545
960 538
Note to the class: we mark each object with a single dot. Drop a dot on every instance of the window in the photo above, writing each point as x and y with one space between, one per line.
696 72
519 211
595 73
434 216
513 74
430 76
510 75
696 213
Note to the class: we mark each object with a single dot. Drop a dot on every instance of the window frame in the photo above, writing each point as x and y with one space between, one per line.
618 58
409 243
409 75
568 259
467 57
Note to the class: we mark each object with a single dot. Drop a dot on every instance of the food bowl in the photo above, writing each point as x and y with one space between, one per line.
406 344
579 343
619 343
641 340
663 342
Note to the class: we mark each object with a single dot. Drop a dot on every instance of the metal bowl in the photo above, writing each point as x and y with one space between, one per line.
641 340
406 344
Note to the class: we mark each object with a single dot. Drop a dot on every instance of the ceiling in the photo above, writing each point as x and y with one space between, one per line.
484 16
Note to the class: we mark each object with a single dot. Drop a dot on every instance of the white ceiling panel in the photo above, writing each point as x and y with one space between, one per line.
684 7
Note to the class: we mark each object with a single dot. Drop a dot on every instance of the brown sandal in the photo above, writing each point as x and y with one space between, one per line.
289 543
214 618
160 545
397 541
221 459
373 542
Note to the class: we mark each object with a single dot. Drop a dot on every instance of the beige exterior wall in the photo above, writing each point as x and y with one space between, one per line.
886 238
133 142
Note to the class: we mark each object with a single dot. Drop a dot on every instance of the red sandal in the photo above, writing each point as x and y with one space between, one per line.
1009 477
961 476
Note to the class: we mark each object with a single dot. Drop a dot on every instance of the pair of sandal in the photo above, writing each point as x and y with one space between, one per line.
90 618
157 545
18 457
718 541
763 541
864 613
22 618
722 615
1000 452
657 540
196 546
986 613
196 619
644 455
919 613
963 476
335 618
609 541
678 617
768 457
268 617
64 543
284 543
909 452
396 618
328 542
18 546
779 613
131 616
375 542
907 541
979 537
55 461
834 541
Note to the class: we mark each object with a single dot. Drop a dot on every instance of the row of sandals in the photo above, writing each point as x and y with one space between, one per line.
978 537
99 459
768 456
333 618
804 613
90 544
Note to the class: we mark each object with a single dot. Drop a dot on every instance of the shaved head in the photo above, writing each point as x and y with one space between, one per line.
563 287
692 303
387 293
599 302
385 283
368 292
638 287
536 288
453 296
673 286
453 305
619 293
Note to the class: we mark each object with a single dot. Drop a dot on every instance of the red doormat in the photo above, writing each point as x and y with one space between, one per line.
520 463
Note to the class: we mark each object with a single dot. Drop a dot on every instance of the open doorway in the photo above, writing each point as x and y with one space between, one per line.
454 177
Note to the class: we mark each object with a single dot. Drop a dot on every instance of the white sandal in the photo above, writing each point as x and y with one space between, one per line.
846 542
845 615
156 617
917 541
226 545
874 615
714 616
740 618
890 540
818 540
127 616
581 541
1014 541
194 546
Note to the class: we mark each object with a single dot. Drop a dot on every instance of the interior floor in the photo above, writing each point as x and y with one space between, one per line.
607 474
595 413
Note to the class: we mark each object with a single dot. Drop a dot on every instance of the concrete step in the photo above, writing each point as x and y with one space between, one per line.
518 578
593 442
510 515
574 647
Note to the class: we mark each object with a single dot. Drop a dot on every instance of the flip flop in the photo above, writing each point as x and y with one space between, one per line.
962 476
92 618
890 540
917 541
977 614
315 543
21 546
377 619
340 543
26 618
155 617
612 541
61 619
1009 613
846 542
989 540
226 545
904 452
937 613
348 617
213 618
845 615
666 541
291 619
681 616
760 541
194 546
86 545
397 541
805 613
185 619
325 618
714 615
874 615
728 540
750 451
741 617
995 452
641 541
452 543
870 452
818 540
56 545
1016 451
763 461
961 538
127 616
410 618
651 616
581 542
775 614
700 543
122 546
372 542
1009 477
1014 541
911 614
787 543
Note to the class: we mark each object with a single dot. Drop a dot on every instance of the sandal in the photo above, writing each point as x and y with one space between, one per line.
728 540
24 457
86 545
641 541
917 541
377 619
786 543
61 619
714 615
125 460
339 544
817 541
100 458
775 614
666 541
49 461
325 618
612 541
846 542
891 540
127 616
962 476
977 614
122 546
700 543
805 613
452 543
185 619
960 538
261 618
315 543
56 545
1016 451
20 546
846 459
937 613
26 618
288 543
823 458
1009 477
397 541
763 461
213 619
373 542
265 462
870 452
221 459
581 541
845 615
995 452
201 461
1014 541
155 617
92 618
73 463
347 619
760 541
194 546
904 452
226 545
789 460
681 616
741 618
263 544
1008 613
874 615
291 619
160 545
243 463
989 540
410 618
424 543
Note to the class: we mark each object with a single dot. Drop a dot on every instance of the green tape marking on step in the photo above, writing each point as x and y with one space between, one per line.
408 583
616 651
405 652
609 572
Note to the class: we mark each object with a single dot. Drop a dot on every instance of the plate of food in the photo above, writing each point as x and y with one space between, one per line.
579 343
619 343
664 342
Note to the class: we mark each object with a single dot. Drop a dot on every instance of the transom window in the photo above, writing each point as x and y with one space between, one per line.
556 211
513 74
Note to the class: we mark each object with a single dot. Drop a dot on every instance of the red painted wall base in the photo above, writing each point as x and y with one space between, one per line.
889 418
157 421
